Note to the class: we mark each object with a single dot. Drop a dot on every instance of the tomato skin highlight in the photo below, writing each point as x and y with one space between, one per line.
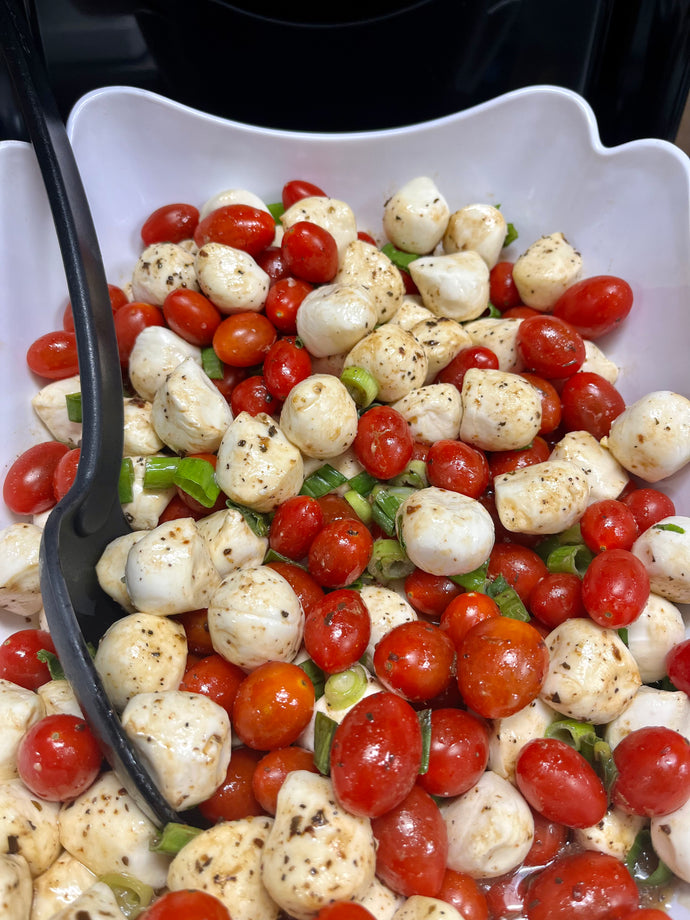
503 292
243 339
65 472
191 316
297 189
462 892
590 403
648 506
519 565
28 486
295 523
596 305
430 594
130 320
216 678
557 597
170 223
550 347
240 226
58 758
54 355
458 467
310 252
653 778
18 658
464 612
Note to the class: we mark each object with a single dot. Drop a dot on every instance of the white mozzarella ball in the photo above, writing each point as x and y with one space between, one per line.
422 907
671 840
160 269
231 196
20 587
333 215
653 634
58 697
254 617
380 900
605 475
387 609
231 541
664 548
651 707
61 884
364 264
479 227
544 498
441 338
416 216
98 902
139 435
614 834
410 312
651 437
319 416
490 828
147 505
501 411
499 335
393 357
107 832
508 736
141 653
190 414
443 532
28 826
110 568
16 893
455 285
546 270
433 412
19 710
596 362
169 570
50 406
592 676
157 351
231 278
257 466
334 317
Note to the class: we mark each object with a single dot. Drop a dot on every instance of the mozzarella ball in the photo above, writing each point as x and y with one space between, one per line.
443 532
141 653
544 271
410 312
333 215
231 541
386 609
671 840
456 285
433 412
416 216
508 736
58 697
20 588
381 900
596 362
501 411
653 634
61 884
651 707
592 676
16 893
50 406
664 548
651 437
160 269
147 505
19 710
394 358
441 338
319 416
614 834
364 264
157 351
140 438
605 475
254 617
479 227
231 279
98 902
110 568
499 336
231 196
334 317
28 826
421 907
543 498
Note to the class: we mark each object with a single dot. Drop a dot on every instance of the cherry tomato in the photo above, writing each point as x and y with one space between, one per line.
384 442
28 486
195 624
18 658
506 461
191 904
227 383
272 769
376 754
54 355
295 523
503 292
283 301
653 772
305 586
590 403
678 666
243 339
582 886
118 299
550 837
520 312
505 896
366 238
272 262
178 508
550 347
65 473
458 753
615 588
458 467
462 892
335 508
550 402
648 506
59 758
472 356
412 845
608 524
286 363
519 565
273 705
430 594
416 660
345 910
240 226
214 677
251 395
595 306
191 316
464 611
647 913
170 223
502 665
310 252
559 783
297 189
234 799
339 553
555 598
130 320
337 630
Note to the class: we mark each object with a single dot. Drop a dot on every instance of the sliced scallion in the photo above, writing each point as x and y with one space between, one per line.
414 476
643 863
511 235
277 209
132 895
475 580
173 837
324 729
360 384
673 528
345 688
257 522
197 478
359 505
509 601
273 556
388 561
565 538
398 257
580 735
125 482
159 472
53 662
211 363
363 483
604 764
424 718
322 481
73 401
572 558
385 504
315 675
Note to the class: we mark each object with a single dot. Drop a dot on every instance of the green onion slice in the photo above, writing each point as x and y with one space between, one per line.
359 505
346 688
257 522
53 663
475 580
674 528
386 502
277 209
511 235
643 863
173 837
363 483
414 476
580 735
360 384
125 482
424 718
566 538
131 894
197 478
211 363
388 561
324 729
323 481
509 602
315 675
73 401
159 472
398 257
573 558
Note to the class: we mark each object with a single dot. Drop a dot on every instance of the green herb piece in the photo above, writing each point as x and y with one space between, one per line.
73 401
643 863
277 209
125 482
580 735
257 522
476 580
398 257
315 675
511 235
197 478
322 481
508 600
173 837
424 719
674 528
573 558
324 729
211 363
359 505
363 483
159 472
53 663
385 504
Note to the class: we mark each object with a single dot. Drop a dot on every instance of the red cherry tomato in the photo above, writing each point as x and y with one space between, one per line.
458 467
590 403
243 339
286 363
28 486
339 553
191 904
251 395
557 597
416 660
305 586
550 402
195 624
519 565
550 347
337 630
595 306
118 299
178 508
344 910
297 189
241 226
412 845
503 292
191 316
170 223
464 612
59 758
216 678
506 461
272 262
615 588
273 705
54 355
310 252
550 837
458 753
472 356
384 442
272 769
65 472
19 662
283 301
559 783
505 896
130 320
234 798
678 666
376 754
653 772
608 524
231 377
463 893
294 525
430 594
648 506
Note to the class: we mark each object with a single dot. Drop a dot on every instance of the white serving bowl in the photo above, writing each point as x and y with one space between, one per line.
535 151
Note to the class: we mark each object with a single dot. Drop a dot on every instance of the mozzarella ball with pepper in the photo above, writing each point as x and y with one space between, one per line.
394 358
592 676
500 411
160 269
231 541
651 437
141 653
157 351
58 696
386 609
653 634
422 907
28 826
140 438
443 532
499 335
416 216
334 317
257 466
664 548
231 196
333 215
605 475
508 736
545 270
20 589
410 312
16 893
98 902
441 338
479 227
596 362
19 710
433 412
671 840
615 834
319 416
366 265
544 498
455 285
61 884
650 706
147 505
110 568
50 406
231 278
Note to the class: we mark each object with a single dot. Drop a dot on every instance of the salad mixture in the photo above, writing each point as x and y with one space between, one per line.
401 629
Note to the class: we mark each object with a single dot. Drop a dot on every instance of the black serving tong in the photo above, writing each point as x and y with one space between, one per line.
90 515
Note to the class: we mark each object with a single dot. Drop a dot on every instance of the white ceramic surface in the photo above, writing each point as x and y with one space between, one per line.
536 151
